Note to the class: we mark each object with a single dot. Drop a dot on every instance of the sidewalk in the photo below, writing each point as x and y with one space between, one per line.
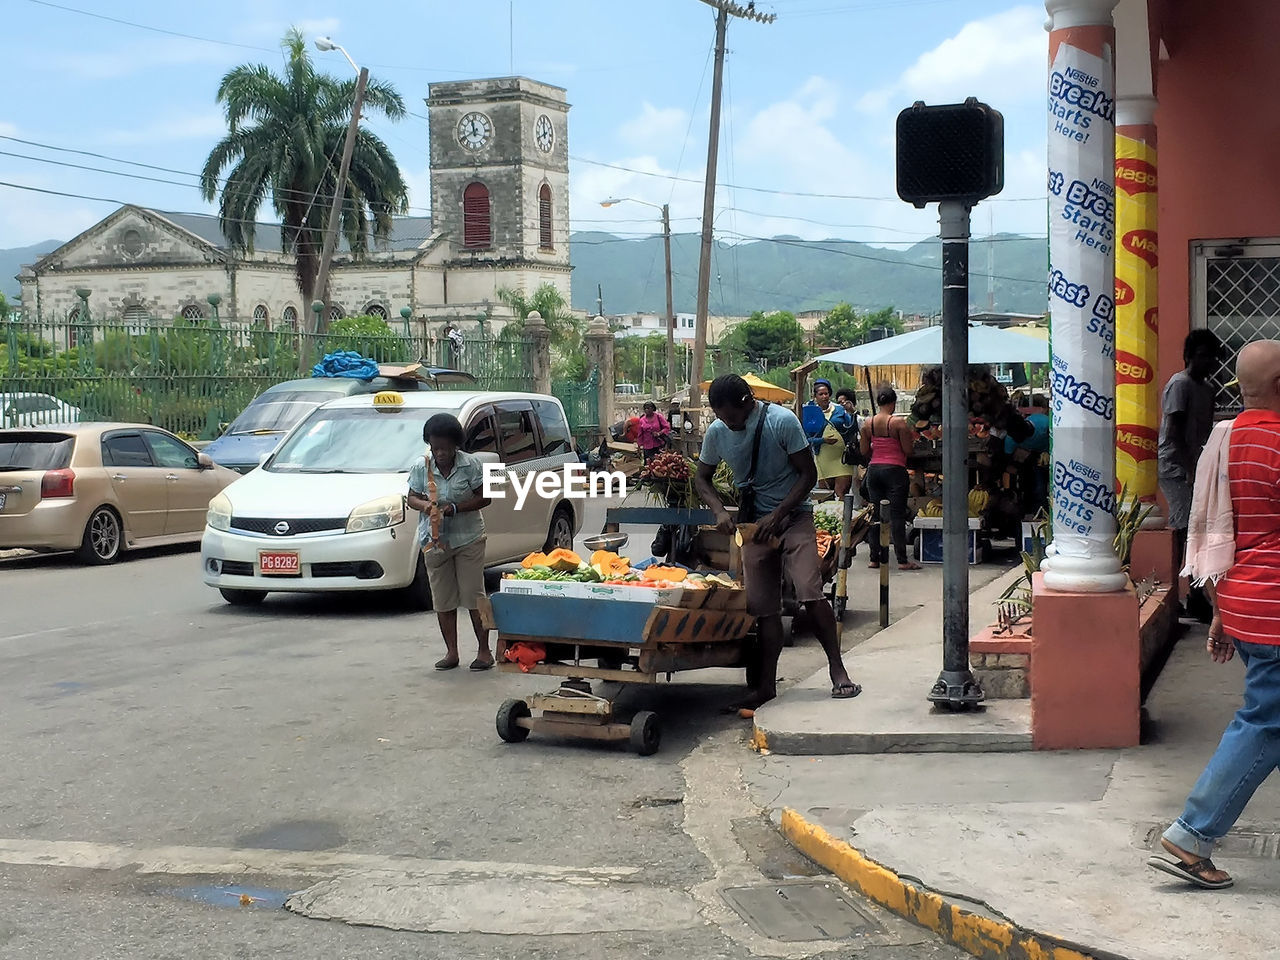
1018 854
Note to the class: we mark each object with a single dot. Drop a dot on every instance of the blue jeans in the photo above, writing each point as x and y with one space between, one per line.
1246 755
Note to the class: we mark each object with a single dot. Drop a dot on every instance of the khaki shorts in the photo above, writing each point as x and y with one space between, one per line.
456 575
763 568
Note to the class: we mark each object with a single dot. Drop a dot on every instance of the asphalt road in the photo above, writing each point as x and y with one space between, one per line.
166 753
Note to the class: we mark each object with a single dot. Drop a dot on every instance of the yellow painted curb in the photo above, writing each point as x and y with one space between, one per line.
984 937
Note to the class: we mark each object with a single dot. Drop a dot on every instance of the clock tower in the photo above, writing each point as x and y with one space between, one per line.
500 183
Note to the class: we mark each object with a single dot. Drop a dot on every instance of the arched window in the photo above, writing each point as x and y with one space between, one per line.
336 312
375 309
476 231
260 315
192 312
544 217
290 316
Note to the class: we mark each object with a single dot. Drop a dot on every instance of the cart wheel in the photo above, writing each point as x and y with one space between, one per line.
646 733
508 714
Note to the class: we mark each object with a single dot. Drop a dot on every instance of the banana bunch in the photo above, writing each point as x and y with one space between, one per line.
932 509
978 502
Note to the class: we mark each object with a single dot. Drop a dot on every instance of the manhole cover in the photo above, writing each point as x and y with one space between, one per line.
808 910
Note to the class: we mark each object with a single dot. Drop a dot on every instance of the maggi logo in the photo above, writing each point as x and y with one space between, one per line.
1132 369
1141 243
1124 293
1139 442
1135 176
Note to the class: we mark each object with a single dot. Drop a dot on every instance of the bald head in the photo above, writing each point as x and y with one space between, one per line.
1258 370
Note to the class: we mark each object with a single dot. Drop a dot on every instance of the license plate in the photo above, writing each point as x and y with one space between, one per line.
275 564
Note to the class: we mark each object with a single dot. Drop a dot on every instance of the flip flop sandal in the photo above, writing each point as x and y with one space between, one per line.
845 691
477 664
910 566
1193 872
446 665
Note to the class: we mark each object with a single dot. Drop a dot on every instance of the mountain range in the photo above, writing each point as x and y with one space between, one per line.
781 273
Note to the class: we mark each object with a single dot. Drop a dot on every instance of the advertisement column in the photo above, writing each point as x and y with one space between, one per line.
1082 250
1137 323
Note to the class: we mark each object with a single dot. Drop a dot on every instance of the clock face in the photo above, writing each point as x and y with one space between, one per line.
474 130
544 133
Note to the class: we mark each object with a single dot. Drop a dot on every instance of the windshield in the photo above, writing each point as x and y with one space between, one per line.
353 440
35 451
274 417
278 412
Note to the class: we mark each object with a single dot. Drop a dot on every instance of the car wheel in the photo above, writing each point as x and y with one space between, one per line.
560 535
242 598
103 540
645 733
417 595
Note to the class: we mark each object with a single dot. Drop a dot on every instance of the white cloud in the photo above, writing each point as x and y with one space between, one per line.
999 58
208 125
321 27
654 126
137 58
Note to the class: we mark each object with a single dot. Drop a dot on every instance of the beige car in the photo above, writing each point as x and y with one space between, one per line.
100 488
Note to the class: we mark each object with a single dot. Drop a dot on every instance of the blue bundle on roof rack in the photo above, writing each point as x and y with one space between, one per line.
345 363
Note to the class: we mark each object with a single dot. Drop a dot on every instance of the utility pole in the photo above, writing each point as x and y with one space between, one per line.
724 8
671 316
335 209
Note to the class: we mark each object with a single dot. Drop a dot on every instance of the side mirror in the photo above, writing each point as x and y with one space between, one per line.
222 428
204 461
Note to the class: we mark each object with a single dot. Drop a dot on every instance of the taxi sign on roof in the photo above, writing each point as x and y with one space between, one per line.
388 400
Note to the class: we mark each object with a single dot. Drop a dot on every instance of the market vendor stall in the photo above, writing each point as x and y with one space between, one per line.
998 496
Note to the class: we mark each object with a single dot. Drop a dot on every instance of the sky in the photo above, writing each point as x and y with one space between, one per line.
809 103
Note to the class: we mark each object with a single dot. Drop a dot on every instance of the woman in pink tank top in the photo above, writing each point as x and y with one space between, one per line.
887 440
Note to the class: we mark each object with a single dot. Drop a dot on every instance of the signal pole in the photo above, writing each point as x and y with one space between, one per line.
725 9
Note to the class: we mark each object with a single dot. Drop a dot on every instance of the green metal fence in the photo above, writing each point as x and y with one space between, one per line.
191 376
581 402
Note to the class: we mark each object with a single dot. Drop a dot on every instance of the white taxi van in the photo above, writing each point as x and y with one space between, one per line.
327 509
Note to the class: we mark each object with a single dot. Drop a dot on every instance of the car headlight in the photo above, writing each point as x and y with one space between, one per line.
376 514
219 515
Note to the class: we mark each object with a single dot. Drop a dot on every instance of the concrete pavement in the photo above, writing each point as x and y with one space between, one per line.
1018 854
168 754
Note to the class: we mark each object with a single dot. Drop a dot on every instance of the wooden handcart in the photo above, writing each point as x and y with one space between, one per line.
620 641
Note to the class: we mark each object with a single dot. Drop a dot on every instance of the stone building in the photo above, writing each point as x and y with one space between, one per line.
500 201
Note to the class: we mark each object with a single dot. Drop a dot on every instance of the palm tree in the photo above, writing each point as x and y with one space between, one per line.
285 137
550 303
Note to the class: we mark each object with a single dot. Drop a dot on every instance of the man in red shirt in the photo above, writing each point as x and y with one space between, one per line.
1246 618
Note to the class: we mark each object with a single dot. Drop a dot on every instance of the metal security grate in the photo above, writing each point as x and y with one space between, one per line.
1238 294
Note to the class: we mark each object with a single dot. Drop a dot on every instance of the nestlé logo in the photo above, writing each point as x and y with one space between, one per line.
1141 243
1135 176
1132 369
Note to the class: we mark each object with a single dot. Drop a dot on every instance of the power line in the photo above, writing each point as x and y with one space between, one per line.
782 193
285 191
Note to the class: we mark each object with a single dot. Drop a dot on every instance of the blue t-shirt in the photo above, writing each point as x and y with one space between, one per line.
460 485
775 475
1038 442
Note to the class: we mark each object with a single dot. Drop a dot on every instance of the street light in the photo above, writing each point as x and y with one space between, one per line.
325 45
671 317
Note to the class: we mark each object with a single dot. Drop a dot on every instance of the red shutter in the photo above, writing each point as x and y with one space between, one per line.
544 217
476 233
